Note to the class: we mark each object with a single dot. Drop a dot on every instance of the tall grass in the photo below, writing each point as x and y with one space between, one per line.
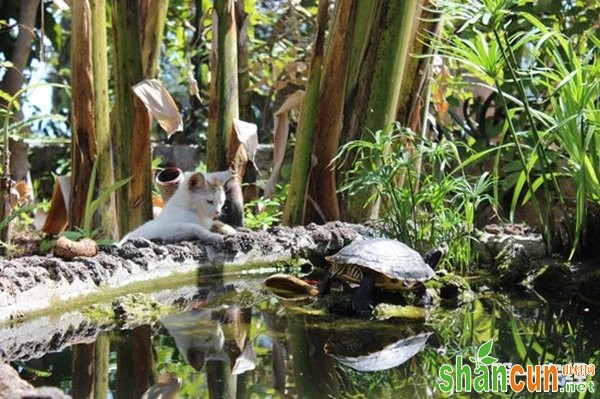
548 89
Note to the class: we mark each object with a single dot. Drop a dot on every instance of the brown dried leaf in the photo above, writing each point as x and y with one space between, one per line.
293 102
247 135
69 249
160 104
25 192
280 136
62 4
193 89
246 361
58 215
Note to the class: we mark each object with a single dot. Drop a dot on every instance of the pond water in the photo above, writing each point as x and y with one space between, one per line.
248 343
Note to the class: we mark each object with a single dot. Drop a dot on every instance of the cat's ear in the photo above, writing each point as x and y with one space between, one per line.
221 177
196 182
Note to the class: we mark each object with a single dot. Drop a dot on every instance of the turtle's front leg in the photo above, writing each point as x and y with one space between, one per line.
324 286
362 303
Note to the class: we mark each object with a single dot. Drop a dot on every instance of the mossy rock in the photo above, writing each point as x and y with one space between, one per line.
449 288
126 310
589 287
512 264
553 281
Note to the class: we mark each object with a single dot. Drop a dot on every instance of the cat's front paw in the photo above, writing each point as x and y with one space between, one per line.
222 228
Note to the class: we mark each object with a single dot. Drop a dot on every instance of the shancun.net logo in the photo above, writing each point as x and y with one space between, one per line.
484 374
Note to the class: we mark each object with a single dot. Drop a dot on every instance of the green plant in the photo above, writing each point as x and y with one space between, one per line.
262 213
92 206
546 84
427 208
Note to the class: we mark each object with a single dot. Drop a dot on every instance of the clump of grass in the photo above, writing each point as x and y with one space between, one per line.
421 208
547 86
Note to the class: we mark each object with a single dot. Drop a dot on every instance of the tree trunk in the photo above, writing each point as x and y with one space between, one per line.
13 79
133 120
373 101
84 363
243 19
106 217
136 366
323 204
223 106
152 21
83 135
414 81
294 207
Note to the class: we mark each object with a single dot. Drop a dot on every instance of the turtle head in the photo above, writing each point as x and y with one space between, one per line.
434 255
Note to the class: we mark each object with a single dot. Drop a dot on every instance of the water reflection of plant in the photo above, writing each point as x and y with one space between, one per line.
528 334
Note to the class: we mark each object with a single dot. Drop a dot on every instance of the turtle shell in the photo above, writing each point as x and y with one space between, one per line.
390 261
363 355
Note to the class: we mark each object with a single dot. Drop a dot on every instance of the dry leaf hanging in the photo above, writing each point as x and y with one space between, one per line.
280 136
160 104
242 146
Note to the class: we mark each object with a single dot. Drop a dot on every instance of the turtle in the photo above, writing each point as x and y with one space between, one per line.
384 263
374 351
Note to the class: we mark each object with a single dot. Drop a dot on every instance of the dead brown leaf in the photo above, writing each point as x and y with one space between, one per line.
58 215
62 4
243 145
280 136
161 105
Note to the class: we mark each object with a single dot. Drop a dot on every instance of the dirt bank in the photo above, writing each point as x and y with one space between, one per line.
34 283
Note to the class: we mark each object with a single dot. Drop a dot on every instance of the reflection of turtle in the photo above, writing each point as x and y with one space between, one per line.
381 262
373 350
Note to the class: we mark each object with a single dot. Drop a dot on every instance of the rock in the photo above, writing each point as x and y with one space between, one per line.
512 264
13 387
27 284
494 238
69 249
553 281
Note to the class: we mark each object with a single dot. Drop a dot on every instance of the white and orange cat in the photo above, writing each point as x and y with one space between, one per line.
191 213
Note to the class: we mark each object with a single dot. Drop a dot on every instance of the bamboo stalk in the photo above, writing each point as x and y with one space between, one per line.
243 19
414 80
132 120
152 23
83 144
374 100
106 217
101 366
360 27
329 121
294 206
223 105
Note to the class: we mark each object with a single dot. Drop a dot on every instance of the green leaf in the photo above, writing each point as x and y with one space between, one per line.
485 349
488 360
106 193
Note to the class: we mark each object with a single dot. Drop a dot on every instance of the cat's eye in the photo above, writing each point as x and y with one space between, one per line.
210 202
